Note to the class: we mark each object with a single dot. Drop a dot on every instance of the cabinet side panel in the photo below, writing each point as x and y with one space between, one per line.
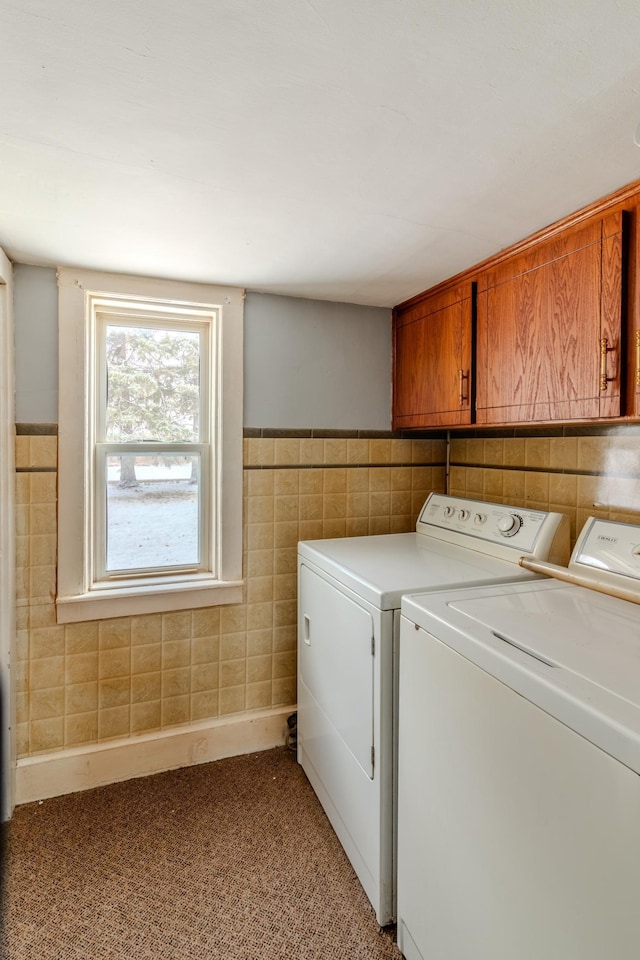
409 370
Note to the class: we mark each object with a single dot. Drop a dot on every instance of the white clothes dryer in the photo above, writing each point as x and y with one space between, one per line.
519 762
349 593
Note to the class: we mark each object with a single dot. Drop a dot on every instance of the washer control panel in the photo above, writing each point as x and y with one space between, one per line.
494 525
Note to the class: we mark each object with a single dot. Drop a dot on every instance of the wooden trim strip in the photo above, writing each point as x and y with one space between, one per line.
36 429
597 208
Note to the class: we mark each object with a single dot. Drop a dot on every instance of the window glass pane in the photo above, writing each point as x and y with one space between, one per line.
153 384
152 511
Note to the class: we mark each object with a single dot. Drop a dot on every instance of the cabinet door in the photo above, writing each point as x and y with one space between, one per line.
432 361
549 329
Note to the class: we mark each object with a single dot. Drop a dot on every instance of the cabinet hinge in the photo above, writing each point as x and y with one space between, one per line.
373 646
373 759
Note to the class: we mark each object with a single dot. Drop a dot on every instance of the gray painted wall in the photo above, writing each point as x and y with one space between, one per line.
35 306
307 363
315 364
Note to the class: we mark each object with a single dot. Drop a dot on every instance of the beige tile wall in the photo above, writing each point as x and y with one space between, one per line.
581 475
88 682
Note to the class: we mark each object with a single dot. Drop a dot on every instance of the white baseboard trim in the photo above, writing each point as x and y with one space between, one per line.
81 768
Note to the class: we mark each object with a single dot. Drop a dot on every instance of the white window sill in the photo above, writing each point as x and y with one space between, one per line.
125 601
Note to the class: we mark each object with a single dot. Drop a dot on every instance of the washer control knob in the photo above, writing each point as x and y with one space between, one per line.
463 514
449 511
480 518
509 524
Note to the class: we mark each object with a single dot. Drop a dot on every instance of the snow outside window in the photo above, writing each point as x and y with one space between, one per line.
151 407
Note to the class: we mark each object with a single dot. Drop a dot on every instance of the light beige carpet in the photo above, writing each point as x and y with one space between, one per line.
233 859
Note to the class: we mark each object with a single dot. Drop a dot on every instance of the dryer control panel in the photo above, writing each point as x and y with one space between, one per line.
497 529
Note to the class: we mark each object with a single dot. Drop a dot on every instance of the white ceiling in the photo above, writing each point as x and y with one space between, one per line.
353 150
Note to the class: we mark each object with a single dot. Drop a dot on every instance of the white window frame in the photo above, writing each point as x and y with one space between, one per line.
102 313
85 297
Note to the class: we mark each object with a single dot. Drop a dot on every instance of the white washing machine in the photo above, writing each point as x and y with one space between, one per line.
349 593
519 763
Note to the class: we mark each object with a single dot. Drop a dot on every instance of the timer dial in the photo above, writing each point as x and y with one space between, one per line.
509 524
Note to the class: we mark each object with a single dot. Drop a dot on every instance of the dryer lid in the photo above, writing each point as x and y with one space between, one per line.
381 569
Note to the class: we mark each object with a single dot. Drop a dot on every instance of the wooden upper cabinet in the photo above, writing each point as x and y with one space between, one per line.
549 328
432 360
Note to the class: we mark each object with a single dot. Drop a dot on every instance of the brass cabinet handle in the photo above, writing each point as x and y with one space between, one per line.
604 350
462 376
637 358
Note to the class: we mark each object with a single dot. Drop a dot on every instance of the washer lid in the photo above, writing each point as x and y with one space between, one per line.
591 635
573 652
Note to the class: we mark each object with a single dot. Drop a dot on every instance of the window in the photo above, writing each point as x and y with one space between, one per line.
150 446
151 424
